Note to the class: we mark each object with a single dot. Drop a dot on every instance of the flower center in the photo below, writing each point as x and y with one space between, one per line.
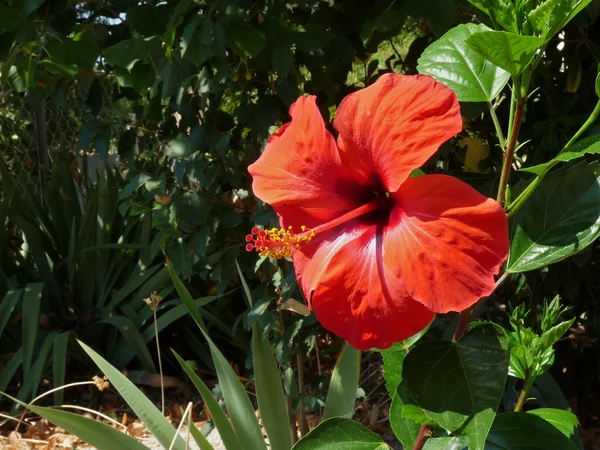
281 242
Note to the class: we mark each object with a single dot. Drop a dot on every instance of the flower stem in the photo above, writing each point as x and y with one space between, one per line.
524 392
162 384
461 326
510 151
424 434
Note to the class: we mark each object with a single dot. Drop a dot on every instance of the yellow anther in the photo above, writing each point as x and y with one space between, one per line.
278 242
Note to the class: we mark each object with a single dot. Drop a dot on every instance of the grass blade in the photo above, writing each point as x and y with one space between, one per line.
226 431
344 382
32 299
95 433
139 403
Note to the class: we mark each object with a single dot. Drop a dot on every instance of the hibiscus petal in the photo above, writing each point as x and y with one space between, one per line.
446 241
353 293
394 126
300 173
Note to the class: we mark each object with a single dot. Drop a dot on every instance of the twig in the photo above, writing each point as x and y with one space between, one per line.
301 412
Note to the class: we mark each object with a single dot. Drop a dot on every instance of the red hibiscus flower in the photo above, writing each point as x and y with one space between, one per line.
377 253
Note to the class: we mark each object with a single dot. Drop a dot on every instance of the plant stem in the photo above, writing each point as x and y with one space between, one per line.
522 198
510 152
524 392
162 385
461 326
301 415
497 126
424 434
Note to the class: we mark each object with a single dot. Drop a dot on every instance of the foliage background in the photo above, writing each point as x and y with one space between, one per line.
161 107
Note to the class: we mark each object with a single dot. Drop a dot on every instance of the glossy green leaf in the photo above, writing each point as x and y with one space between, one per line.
178 147
175 74
82 54
32 298
525 431
451 62
459 385
560 218
341 395
93 432
245 39
128 51
341 434
143 408
563 421
510 51
561 15
226 431
445 443
598 82
406 430
59 68
26 6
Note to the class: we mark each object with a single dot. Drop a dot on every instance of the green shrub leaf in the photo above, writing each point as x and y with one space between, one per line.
451 62
341 434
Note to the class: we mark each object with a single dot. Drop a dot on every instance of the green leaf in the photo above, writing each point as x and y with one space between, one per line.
550 337
406 430
32 299
8 305
283 60
134 338
59 68
526 431
502 12
445 443
224 427
539 16
392 368
179 147
341 434
598 82
128 51
143 408
82 54
459 385
560 218
202 442
146 20
245 39
343 385
561 15
510 51
9 18
59 364
269 392
451 62
140 78
26 7
563 421
175 74
589 145
93 432
197 43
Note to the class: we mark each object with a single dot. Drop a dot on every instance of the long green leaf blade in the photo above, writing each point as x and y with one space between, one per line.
237 401
226 431
93 432
344 382
269 392
139 403
32 299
